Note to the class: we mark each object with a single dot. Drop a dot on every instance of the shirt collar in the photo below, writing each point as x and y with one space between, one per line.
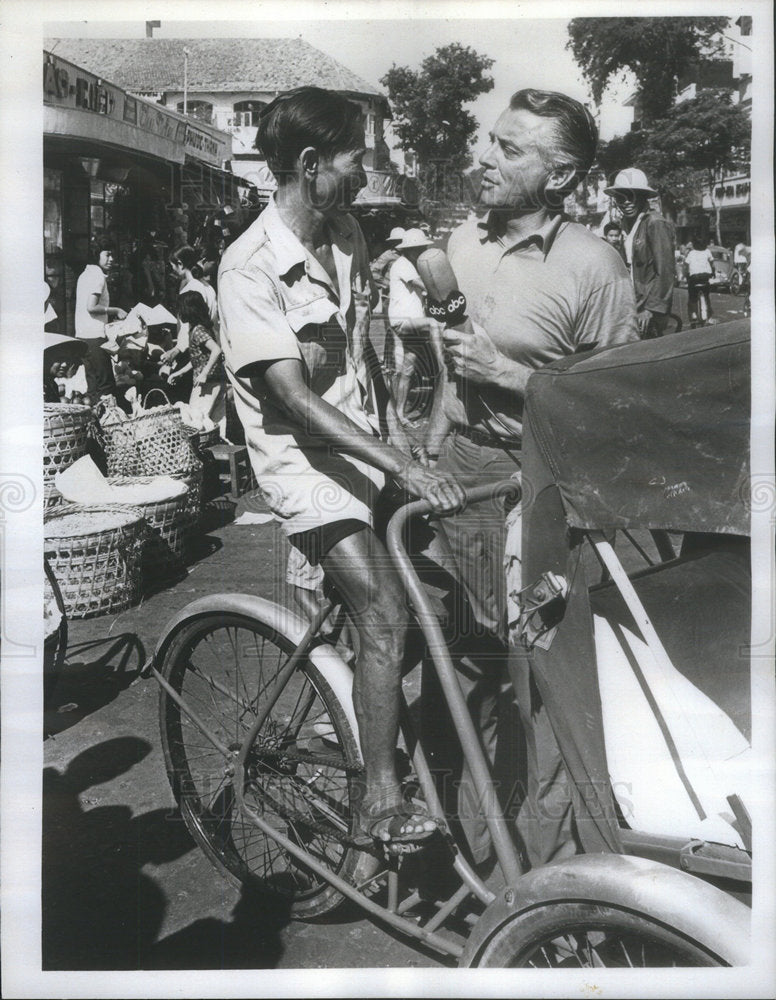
493 228
288 249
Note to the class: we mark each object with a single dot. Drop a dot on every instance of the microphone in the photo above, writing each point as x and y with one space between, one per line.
446 303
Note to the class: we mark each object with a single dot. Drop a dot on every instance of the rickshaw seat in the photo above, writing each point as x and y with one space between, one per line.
678 738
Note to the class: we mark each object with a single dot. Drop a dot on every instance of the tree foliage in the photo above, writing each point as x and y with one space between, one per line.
428 105
656 49
690 147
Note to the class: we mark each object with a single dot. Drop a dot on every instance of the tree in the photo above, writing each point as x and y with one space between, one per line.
689 149
658 50
428 106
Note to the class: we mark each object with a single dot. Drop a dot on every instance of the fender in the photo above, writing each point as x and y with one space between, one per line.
325 657
703 912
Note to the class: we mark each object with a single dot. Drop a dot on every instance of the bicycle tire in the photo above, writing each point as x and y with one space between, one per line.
583 934
302 781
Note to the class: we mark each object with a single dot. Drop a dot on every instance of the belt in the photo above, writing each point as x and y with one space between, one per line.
488 440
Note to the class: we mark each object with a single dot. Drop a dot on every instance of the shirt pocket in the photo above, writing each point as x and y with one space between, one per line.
313 312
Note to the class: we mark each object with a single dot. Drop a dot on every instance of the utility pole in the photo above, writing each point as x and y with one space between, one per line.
185 81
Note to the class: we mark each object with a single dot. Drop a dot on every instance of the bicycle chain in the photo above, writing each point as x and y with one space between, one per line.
288 813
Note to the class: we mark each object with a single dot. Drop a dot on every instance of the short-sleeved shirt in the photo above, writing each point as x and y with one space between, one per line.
699 262
92 281
558 290
277 301
405 297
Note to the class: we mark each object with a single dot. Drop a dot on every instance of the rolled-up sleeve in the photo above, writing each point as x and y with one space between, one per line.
254 328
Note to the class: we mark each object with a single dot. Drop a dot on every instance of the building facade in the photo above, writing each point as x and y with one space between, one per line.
225 82
116 165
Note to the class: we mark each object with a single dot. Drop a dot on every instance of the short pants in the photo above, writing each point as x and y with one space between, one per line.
316 542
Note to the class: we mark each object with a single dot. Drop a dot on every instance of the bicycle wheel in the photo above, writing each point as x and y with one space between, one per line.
572 935
299 774
703 306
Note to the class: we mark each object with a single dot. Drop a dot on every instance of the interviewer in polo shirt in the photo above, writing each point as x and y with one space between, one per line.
294 300
538 287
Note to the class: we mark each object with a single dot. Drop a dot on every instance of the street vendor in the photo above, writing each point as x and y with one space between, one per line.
294 297
538 288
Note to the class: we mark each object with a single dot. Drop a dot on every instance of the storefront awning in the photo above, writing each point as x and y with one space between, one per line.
79 105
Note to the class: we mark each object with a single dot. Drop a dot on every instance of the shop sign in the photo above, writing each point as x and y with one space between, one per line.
154 119
68 86
729 193
204 146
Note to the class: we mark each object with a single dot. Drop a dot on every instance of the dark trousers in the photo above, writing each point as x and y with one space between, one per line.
464 566
98 369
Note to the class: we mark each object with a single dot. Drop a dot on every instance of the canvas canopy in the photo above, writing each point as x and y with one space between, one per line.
652 435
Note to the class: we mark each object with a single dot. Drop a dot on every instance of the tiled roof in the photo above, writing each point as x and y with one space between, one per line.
154 65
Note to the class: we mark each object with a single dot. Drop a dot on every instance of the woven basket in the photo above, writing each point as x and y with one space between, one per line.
165 520
95 554
193 509
154 444
66 429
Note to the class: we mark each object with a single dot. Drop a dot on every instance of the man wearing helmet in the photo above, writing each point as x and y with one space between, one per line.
649 250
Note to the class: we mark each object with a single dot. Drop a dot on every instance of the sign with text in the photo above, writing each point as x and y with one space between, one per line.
68 86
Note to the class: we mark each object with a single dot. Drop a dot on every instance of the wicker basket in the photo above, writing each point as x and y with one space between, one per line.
95 555
154 444
165 520
192 512
66 429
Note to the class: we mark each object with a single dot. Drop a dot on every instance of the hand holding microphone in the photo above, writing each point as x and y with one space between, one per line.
470 351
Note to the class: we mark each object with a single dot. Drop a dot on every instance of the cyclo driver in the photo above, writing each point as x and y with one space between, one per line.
294 297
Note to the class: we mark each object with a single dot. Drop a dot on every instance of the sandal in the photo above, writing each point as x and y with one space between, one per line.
375 820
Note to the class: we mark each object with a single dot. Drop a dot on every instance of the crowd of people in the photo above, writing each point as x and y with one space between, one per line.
325 419
121 357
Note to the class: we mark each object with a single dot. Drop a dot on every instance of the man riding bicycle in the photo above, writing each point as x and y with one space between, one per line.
294 299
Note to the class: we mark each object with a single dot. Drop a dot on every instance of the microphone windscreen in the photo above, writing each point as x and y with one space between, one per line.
436 273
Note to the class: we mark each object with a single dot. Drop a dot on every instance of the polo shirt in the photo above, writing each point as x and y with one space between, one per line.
276 301
540 298
92 281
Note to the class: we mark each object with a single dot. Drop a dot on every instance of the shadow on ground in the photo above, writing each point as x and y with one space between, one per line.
101 910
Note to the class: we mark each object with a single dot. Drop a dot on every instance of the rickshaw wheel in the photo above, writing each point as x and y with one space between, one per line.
299 774
569 934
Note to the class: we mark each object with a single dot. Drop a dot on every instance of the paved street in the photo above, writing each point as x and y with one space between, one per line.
124 886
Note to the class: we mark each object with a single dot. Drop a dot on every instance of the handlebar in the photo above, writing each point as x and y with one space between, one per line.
507 488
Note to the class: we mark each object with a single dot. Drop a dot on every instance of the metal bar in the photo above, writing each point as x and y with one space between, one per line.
505 850
283 678
467 874
393 890
407 927
172 693
406 904
444 911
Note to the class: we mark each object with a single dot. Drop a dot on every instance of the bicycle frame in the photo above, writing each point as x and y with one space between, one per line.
505 850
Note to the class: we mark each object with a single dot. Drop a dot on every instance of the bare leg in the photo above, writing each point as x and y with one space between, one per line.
360 569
